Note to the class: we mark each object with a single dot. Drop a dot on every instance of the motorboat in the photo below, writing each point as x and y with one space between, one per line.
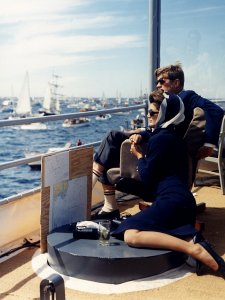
103 117
138 121
76 122
37 164
34 126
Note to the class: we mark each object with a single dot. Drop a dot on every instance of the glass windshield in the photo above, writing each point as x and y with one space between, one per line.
193 33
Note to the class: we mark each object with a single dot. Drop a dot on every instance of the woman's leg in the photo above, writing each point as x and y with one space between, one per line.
152 239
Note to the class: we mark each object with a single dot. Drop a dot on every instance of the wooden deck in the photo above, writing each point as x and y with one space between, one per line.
19 281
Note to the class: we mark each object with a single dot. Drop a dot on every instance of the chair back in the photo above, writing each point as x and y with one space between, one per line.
194 139
195 134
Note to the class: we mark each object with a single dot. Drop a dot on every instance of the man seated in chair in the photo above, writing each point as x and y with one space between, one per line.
169 79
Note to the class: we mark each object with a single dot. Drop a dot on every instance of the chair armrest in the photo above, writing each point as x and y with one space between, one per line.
128 162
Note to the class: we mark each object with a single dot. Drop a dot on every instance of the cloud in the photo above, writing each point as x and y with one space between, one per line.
41 35
51 33
64 49
67 25
27 9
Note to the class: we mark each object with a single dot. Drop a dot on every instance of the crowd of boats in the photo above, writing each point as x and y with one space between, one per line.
25 106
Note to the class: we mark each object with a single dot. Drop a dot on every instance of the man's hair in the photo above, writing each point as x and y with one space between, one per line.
173 72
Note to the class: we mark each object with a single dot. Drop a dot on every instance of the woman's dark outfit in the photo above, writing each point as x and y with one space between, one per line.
164 173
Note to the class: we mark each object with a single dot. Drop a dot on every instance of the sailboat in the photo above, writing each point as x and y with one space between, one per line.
23 108
51 105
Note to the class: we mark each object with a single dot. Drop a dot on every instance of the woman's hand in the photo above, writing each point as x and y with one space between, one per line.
135 149
135 138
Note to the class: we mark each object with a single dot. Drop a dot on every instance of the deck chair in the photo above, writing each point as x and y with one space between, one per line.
218 159
126 178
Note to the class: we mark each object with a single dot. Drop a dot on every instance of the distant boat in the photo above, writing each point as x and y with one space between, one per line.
138 122
34 126
76 122
23 107
103 117
87 107
51 104
7 106
8 109
37 164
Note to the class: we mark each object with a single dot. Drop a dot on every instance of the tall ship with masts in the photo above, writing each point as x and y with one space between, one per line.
51 103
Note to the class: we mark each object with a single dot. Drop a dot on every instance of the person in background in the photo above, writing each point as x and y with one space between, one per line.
169 79
169 222
79 142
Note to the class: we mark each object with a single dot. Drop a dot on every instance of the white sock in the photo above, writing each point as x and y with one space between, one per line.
110 203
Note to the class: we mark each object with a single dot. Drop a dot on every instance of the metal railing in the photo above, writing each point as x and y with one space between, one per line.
51 118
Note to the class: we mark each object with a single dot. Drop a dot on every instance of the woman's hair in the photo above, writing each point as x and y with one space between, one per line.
170 106
173 72
156 97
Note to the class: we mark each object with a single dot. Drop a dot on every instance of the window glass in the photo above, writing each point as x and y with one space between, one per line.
193 33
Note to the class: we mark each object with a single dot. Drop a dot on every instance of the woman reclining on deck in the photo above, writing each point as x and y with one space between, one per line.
169 222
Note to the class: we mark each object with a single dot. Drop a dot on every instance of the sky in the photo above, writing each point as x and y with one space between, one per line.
101 46
193 32
96 46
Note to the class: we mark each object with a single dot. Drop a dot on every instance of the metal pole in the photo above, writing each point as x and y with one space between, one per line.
154 39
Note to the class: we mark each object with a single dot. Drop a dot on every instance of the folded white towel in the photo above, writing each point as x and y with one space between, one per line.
87 224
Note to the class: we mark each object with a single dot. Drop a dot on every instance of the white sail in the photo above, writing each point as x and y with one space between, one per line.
47 98
51 100
24 102
57 105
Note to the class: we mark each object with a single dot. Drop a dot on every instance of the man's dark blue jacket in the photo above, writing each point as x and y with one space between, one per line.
213 115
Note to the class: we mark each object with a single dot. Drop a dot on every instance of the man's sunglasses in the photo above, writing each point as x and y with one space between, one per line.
161 81
152 112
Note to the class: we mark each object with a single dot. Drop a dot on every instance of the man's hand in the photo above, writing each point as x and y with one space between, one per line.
135 138
204 152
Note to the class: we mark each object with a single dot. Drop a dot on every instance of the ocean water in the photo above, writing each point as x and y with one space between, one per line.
15 141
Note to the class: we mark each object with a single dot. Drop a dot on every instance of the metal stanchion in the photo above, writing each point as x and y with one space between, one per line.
51 287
